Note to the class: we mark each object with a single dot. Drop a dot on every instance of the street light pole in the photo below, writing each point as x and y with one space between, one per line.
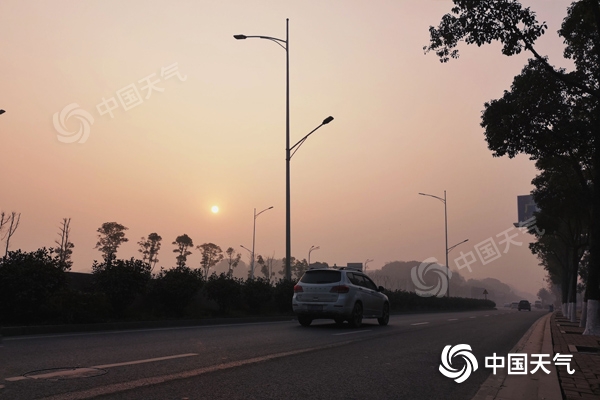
446 230
288 246
288 156
288 218
310 251
254 239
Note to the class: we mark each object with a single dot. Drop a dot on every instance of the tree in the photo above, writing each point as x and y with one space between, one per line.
211 255
14 219
548 112
233 259
298 267
266 266
183 243
149 248
545 296
111 236
565 214
3 220
264 269
65 246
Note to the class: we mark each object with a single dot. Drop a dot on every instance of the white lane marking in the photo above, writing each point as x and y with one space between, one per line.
68 372
120 387
144 361
486 315
453 319
350 333
52 375
50 335
420 323
472 317
1 386
16 378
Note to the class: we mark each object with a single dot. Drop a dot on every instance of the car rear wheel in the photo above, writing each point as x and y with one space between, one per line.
304 320
357 316
385 315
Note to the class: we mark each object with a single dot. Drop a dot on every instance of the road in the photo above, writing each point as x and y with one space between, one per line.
279 360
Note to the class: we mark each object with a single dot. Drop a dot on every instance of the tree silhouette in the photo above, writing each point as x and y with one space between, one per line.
111 236
233 259
211 255
183 243
65 246
14 219
149 248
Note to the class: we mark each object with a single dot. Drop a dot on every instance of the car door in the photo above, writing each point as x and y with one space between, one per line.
369 294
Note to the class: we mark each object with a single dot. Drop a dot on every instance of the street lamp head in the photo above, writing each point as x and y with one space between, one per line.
239 37
327 120
2 111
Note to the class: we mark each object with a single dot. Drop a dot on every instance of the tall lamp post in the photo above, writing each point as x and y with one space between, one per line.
312 248
285 44
248 250
446 229
254 239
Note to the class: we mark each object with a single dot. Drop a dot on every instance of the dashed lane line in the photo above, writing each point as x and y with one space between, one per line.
67 372
420 323
144 361
350 333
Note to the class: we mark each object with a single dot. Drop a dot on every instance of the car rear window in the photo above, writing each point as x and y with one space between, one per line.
321 277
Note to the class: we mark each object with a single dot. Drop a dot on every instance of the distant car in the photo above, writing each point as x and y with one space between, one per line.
514 304
524 305
507 305
340 294
538 304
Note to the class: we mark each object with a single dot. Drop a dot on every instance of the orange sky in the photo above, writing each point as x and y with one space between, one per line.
404 123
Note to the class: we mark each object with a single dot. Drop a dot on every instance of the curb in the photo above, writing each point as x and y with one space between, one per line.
537 339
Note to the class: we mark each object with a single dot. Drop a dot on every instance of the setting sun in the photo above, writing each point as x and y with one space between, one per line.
214 209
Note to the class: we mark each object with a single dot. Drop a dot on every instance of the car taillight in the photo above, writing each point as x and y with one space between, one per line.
340 289
298 289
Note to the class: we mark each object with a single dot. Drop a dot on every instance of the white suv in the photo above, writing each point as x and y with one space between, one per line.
341 294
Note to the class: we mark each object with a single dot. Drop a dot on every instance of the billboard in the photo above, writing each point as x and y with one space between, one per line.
525 207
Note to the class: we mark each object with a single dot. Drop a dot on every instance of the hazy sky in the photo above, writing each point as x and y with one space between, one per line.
215 134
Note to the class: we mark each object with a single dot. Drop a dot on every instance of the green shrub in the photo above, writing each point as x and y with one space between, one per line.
121 281
27 283
225 291
282 295
174 289
401 300
256 293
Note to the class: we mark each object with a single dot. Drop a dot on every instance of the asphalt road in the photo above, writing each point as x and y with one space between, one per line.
279 360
